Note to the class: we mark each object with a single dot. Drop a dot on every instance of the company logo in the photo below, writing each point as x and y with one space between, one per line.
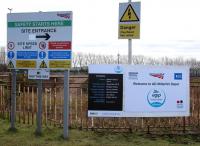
157 75
118 69
93 113
179 103
156 98
177 76
133 75
64 15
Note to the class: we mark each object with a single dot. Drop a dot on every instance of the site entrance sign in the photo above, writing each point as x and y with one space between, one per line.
39 40
138 91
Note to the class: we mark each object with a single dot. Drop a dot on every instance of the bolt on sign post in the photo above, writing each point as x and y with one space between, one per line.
40 41
129 24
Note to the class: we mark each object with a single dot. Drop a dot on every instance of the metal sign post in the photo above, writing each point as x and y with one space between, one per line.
129 48
39 112
129 51
13 100
129 24
66 105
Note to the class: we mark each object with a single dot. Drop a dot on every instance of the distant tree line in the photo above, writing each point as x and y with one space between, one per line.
82 60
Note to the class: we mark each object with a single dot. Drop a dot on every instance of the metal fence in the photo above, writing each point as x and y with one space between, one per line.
53 107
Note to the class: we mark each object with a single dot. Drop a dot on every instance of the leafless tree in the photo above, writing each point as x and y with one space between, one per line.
83 60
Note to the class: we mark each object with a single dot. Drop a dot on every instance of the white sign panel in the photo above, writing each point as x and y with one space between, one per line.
39 40
148 91
42 74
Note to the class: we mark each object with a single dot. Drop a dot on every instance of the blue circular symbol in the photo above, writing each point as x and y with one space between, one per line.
156 98
42 55
118 69
11 54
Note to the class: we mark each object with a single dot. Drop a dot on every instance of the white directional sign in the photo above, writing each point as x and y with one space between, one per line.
39 40
43 74
129 20
138 91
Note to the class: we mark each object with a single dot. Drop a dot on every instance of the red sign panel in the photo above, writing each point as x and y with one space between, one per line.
60 45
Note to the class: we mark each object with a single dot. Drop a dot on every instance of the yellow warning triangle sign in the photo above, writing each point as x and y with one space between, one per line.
10 64
129 15
43 64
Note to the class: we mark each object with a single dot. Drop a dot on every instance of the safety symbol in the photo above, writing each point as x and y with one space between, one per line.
11 45
43 64
129 15
10 64
42 55
42 45
11 54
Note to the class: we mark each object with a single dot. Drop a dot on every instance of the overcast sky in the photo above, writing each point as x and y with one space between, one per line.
168 27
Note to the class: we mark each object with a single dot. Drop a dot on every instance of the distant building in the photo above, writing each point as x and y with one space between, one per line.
2 55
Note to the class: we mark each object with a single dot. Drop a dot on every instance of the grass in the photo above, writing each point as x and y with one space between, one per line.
24 136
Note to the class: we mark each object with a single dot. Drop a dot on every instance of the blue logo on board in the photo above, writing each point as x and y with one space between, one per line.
42 55
118 69
156 98
11 54
177 76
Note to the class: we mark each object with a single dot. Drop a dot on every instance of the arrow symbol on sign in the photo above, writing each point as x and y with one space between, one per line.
46 36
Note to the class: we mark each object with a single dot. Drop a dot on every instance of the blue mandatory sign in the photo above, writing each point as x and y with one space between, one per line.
42 55
27 54
59 55
11 54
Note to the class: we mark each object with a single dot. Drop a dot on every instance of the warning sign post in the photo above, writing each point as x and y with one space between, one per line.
129 24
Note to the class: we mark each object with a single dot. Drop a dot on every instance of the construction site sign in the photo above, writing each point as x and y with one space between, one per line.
129 20
116 90
38 40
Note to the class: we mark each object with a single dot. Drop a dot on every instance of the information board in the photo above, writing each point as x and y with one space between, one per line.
39 40
148 91
105 92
